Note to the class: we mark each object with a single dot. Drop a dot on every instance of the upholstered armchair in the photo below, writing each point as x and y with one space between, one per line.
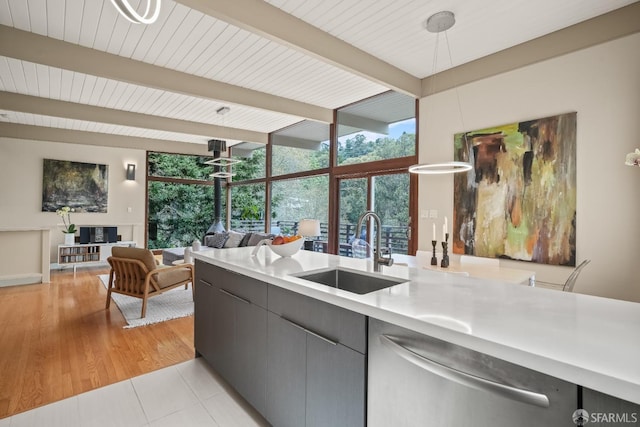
135 272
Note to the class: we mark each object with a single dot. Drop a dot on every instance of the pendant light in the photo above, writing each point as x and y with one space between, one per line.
150 14
220 160
439 23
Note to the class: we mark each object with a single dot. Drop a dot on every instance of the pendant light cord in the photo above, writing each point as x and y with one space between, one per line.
455 86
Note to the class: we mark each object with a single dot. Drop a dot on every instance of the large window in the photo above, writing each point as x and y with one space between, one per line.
388 196
248 207
379 128
296 199
253 165
300 148
180 199
391 203
374 143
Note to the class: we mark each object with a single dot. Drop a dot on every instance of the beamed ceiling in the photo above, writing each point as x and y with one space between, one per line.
76 71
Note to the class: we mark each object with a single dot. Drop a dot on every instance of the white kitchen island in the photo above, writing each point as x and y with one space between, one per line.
585 340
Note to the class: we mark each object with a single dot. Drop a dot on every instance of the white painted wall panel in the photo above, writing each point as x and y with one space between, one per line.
601 84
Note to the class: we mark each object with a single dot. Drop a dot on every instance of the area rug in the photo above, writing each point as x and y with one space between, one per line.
170 305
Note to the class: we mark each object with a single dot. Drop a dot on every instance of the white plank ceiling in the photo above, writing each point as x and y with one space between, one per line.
214 42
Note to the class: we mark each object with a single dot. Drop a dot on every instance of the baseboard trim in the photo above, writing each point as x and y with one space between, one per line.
20 279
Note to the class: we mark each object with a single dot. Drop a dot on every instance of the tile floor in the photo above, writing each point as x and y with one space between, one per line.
187 394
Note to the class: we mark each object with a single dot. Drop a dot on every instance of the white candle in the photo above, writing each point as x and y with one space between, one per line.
434 231
444 232
446 224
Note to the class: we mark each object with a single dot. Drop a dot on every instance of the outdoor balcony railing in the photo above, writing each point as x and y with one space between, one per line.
394 237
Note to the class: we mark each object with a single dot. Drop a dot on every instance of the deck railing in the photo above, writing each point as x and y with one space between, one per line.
394 237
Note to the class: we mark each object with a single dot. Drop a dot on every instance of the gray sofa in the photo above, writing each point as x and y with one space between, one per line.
227 239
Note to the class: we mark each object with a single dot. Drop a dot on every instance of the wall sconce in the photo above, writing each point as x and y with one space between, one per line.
131 172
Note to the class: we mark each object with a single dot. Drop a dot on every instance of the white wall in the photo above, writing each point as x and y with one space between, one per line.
602 84
21 187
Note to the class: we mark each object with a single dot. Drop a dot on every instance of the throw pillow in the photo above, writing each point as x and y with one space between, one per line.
233 240
218 240
256 237
245 240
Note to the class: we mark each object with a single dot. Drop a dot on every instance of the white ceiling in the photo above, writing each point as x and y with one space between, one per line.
273 62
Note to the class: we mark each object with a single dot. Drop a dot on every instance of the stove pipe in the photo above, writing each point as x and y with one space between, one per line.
217 146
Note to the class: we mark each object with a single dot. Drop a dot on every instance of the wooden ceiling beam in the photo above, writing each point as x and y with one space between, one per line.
71 110
38 49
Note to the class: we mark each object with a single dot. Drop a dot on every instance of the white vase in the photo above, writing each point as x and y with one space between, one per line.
69 238
196 245
187 254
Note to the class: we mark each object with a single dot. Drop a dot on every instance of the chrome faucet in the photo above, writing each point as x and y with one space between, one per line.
378 259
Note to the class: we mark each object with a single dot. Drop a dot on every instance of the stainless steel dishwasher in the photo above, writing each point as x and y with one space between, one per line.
415 380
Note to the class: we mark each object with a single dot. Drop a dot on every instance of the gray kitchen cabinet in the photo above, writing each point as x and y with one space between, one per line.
335 385
605 410
286 373
313 379
230 329
204 313
222 335
250 354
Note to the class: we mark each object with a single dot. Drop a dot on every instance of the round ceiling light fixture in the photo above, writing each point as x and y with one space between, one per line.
438 23
441 21
440 168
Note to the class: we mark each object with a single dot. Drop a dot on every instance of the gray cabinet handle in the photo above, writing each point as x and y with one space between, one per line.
466 379
246 301
204 282
315 334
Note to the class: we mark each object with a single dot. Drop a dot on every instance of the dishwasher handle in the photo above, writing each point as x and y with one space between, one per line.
464 378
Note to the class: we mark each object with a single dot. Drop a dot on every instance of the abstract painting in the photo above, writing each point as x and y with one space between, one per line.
519 199
81 186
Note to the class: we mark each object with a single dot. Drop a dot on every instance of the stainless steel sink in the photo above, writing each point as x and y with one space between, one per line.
351 281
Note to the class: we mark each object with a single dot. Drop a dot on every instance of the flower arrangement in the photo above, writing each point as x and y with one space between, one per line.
65 213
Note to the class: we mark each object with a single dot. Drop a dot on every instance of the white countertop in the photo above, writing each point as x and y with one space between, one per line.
582 339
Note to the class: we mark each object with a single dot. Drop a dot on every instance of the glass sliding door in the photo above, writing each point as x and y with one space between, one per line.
353 202
391 203
303 198
388 196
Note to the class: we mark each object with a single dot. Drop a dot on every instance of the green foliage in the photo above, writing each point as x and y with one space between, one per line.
179 166
251 167
360 150
247 202
178 213
291 160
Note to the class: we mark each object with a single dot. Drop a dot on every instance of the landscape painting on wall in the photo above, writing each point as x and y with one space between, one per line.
519 200
81 186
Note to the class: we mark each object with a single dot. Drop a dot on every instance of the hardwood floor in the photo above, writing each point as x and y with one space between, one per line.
57 340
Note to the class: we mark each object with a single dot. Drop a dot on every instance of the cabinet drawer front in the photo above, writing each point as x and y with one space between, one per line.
335 323
235 284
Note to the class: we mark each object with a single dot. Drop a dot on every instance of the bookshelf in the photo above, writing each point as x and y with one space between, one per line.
87 253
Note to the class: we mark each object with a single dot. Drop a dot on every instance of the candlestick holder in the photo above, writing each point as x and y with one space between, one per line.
434 260
445 256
